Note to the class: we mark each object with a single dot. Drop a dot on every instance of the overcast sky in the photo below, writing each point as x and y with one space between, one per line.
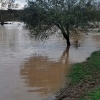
21 2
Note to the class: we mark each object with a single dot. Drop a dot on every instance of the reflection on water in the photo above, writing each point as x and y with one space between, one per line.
45 75
32 70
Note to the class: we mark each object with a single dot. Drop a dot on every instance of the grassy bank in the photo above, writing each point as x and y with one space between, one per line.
93 95
88 69
85 77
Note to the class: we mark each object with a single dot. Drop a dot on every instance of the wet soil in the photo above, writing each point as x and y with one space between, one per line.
74 92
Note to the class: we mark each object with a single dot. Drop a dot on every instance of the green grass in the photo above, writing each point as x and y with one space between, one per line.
85 70
99 30
93 95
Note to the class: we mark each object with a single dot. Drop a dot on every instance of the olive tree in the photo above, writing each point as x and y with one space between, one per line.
43 15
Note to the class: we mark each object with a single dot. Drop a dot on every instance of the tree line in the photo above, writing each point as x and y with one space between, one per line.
8 12
9 15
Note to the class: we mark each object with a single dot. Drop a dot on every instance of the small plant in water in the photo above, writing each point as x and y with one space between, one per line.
99 30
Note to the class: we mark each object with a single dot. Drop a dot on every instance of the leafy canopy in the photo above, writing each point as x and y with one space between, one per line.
43 15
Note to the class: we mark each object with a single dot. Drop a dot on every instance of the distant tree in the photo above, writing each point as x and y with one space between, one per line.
6 8
43 15
8 4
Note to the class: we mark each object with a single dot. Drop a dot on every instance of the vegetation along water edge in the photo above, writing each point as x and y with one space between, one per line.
85 80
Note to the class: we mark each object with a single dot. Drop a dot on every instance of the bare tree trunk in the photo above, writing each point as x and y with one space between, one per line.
67 29
66 35
67 38
68 41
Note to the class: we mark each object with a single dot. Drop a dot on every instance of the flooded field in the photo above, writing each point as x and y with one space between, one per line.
34 70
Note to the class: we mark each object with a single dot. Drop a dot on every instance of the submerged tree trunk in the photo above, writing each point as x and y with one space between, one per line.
67 38
67 29
68 41
66 35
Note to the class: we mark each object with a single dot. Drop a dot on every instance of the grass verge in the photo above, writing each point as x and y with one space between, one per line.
93 95
86 70
85 77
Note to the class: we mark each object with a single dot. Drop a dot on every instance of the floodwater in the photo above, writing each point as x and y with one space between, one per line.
35 70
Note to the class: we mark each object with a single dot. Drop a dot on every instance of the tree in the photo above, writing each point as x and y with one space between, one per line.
43 15
8 4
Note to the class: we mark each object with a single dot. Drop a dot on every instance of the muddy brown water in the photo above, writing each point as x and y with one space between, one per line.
33 70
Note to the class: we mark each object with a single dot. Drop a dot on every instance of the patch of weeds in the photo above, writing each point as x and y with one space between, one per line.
99 30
